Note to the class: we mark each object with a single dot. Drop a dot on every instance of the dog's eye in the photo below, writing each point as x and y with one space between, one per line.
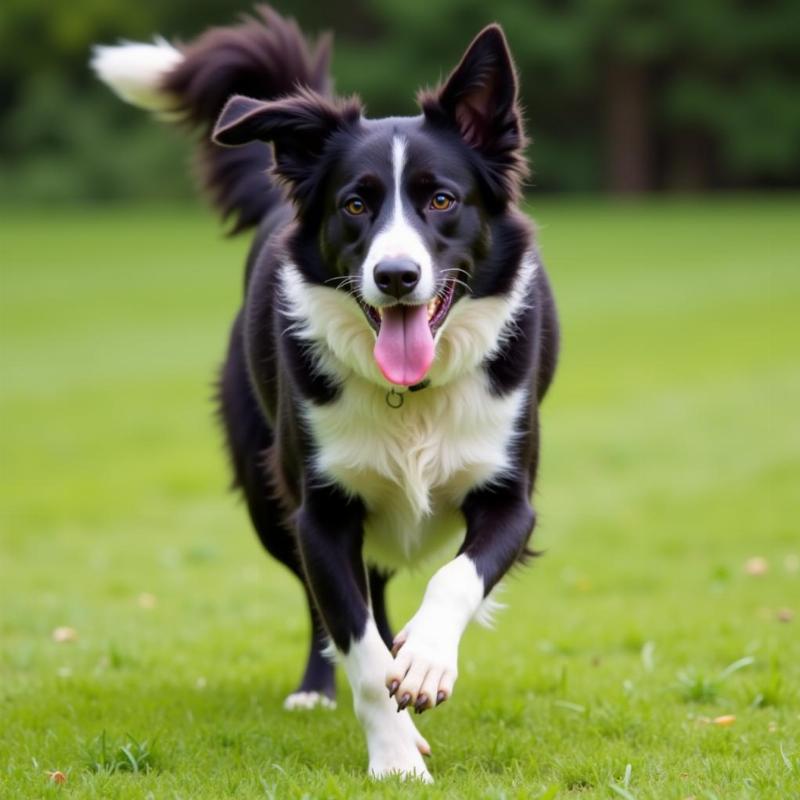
441 201
355 206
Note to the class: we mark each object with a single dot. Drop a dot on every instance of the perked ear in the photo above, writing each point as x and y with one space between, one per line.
480 100
298 127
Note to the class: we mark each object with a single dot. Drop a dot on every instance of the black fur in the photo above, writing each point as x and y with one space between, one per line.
532 347
265 56
262 83
330 532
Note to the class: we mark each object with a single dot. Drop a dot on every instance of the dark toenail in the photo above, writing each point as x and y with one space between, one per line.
404 701
393 687
421 704
440 698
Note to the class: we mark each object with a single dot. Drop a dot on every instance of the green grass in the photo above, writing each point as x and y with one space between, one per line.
671 457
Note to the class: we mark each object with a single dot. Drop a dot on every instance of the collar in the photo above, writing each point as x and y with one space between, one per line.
395 399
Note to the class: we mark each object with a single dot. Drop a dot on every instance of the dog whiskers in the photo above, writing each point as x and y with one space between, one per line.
347 283
342 281
441 293
448 273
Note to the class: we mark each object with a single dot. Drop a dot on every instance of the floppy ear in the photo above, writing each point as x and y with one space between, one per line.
479 99
298 127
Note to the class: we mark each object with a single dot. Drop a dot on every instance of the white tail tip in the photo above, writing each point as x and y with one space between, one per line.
134 71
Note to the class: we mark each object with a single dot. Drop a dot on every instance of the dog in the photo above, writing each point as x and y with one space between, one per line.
398 332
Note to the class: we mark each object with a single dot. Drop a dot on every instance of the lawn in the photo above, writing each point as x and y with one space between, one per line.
653 652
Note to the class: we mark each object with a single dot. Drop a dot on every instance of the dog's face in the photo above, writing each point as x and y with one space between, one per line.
402 227
394 211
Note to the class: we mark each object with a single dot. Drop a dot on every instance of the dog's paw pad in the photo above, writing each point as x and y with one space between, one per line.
302 701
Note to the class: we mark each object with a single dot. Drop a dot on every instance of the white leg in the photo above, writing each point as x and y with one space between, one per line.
393 743
426 664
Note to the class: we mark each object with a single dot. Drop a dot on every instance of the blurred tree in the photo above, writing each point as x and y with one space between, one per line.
630 95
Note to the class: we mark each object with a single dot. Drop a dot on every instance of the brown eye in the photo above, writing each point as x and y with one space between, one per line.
441 201
355 206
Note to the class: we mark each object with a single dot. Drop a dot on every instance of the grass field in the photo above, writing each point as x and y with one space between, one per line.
671 459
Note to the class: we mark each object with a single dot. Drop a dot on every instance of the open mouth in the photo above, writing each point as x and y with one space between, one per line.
437 309
404 349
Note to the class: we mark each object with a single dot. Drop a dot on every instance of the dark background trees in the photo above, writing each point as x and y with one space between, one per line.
624 95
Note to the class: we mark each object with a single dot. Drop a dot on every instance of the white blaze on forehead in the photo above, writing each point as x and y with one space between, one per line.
398 239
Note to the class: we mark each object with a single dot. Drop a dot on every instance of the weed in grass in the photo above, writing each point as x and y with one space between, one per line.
574 707
768 692
131 756
698 688
626 782
648 656
791 763
117 658
622 789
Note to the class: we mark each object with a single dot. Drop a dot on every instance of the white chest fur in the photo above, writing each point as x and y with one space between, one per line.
413 466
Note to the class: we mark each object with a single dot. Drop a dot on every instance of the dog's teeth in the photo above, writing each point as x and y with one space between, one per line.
432 306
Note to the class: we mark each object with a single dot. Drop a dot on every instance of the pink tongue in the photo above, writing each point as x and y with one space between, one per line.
404 350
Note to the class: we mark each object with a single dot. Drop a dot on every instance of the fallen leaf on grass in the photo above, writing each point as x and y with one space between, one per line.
65 634
724 721
57 776
785 615
756 566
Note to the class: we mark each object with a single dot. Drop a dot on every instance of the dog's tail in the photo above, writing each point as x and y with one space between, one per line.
264 57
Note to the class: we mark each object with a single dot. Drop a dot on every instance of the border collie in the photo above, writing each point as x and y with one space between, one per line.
397 333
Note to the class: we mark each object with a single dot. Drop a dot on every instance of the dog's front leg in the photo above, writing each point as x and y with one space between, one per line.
330 532
499 522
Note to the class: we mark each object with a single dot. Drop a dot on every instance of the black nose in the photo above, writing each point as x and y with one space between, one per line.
397 276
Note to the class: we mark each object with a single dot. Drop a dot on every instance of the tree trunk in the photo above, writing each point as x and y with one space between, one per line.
628 140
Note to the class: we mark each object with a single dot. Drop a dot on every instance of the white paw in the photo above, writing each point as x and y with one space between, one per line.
406 773
425 665
397 748
307 700
420 742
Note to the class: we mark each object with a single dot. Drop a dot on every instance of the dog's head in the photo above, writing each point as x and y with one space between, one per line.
397 212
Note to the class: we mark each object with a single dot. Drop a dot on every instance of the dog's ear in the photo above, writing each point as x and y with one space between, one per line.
479 99
298 126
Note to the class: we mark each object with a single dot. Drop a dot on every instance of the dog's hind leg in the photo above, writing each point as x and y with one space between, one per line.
317 686
249 440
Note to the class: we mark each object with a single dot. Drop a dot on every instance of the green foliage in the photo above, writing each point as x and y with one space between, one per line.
698 688
130 756
721 98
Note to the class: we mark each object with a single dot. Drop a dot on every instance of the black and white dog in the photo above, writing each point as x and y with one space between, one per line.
381 389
